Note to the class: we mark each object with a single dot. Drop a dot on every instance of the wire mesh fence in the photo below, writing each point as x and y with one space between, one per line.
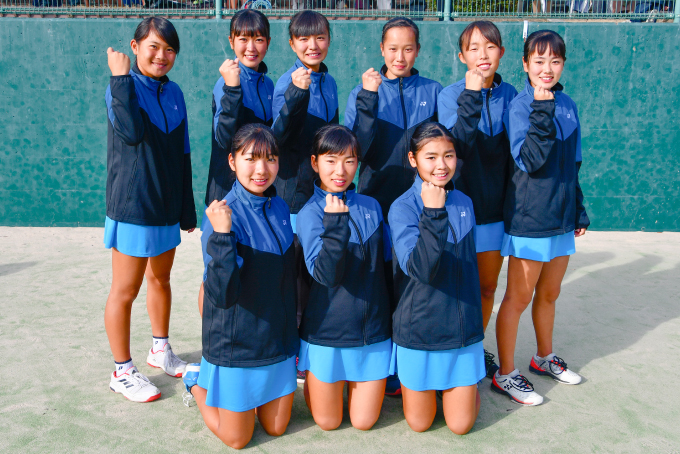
636 10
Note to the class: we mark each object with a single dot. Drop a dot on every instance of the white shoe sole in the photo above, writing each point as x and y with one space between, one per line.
132 399
152 362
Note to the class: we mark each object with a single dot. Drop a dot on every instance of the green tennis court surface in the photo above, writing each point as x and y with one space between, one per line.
618 324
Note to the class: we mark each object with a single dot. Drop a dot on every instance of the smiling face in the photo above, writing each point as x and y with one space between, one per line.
482 55
400 49
255 173
250 50
154 57
311 50
435 161
544 70
336 171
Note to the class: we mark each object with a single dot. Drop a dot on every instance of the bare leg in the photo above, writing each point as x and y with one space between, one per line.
461 407
158 293
325 401
489 264
420 408
274 416
522 277
365 402
235 429
128 274
200 300
543 307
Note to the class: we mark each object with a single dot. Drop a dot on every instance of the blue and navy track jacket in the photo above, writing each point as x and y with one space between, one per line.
544 197
148 155
249 317
475 119
346 255
384 122
298 114
440 304
233 107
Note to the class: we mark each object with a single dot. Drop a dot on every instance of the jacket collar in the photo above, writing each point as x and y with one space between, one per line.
394 83
323 69
346 194
527 85
148 82
497 81
252 74
254 201
417 187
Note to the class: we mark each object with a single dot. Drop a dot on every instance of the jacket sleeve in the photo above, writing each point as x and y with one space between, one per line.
290 111
462 118
361 116
582 220
228 115
325 246
223 283
531 141
124 111
188 216
419 244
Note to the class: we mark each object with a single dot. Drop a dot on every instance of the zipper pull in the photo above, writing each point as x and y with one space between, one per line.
269 202
160 89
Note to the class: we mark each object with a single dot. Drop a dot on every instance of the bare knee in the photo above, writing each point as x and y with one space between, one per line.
460 427
159 281
419 425
276 431
488 290
364 422
549 296
124 296
236 441
328 422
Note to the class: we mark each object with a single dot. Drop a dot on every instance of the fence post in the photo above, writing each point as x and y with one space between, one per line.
677 12
218 9
447 10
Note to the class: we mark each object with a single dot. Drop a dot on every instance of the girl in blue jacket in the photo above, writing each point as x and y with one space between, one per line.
242 95
345 330
543 213
437 326
250 334
473 110
149 198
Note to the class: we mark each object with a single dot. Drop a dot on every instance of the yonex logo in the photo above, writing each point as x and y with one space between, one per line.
269 97
368 215
422 103
284 222
462 214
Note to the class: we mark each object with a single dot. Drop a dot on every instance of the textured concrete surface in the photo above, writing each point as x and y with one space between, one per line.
618 324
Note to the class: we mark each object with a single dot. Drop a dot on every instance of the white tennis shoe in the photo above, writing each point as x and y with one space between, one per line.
134 386
517 387
553 366
166 360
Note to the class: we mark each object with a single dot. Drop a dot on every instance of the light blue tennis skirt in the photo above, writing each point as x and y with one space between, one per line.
245 388
140 240
330 364
421 370
489 237
538 249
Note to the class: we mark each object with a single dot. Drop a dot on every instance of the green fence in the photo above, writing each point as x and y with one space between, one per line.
624 78
637 10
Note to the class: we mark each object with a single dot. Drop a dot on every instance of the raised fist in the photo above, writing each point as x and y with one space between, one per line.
119 63
219 215
371 80
543 94
231 72
335 205
302 78
474 80
433 196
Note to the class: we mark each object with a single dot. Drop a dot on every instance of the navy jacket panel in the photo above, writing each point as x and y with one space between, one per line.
475 119
249 318
384 123
438 282
149 179
233 107
298 114
544 197
345 253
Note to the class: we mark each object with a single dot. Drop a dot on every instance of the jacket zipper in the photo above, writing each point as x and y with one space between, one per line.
488 110
460 314
257 88
323 78
403 112
363 259
264 212
158 96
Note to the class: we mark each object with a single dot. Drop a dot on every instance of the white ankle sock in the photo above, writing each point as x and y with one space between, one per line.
158 344
121 368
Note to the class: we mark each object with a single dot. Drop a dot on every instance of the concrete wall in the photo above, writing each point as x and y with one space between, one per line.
625 79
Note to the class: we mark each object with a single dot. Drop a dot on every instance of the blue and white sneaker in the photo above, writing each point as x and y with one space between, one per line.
190 378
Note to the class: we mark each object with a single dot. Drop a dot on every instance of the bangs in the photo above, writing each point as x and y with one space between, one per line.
426 133
162 27
256 139
542 41
250 23
335 140
486 28
308 23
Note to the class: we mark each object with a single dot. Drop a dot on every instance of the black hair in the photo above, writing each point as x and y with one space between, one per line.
257 138
308 23
404 22
488 30
543 40
249 22
428 132
162 27
335 140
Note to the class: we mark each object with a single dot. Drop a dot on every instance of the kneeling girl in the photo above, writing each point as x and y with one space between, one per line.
345 329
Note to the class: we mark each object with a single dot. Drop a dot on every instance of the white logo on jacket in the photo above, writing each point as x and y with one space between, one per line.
422 103
462 214
368 215
284 222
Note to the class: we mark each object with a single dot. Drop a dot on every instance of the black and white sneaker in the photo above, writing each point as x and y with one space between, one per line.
490 364
553 366
517 387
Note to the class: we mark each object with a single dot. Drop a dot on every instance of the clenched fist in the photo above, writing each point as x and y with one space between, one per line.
433 196
474 80
371 80
119 63
231 72
302 78
219 215
335 205
543 94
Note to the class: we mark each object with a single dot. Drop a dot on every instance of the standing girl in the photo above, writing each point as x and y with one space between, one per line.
543 213
149 198
437 331
249 329
241 96
345 330
473 110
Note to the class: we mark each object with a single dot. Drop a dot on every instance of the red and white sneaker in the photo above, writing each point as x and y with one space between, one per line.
553 366
134 386
517 387
166 360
